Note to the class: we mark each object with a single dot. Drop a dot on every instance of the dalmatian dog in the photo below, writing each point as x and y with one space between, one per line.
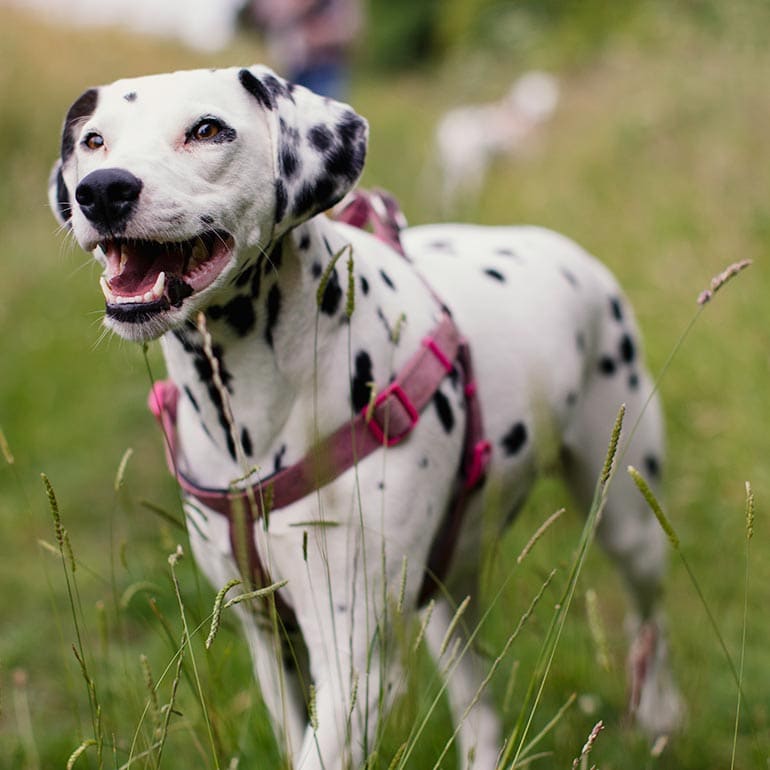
202 196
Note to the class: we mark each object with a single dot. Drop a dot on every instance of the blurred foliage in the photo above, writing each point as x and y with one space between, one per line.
404 33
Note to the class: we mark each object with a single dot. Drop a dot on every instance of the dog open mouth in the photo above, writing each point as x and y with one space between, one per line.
144 278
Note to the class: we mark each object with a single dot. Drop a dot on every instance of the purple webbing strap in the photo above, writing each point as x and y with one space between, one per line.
393 416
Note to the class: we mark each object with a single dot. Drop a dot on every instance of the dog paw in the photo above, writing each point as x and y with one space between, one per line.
655 703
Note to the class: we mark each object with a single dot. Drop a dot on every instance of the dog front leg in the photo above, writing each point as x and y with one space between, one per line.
350 690
279 686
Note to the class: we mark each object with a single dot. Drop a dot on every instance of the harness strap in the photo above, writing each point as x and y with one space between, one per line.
387 421
395 412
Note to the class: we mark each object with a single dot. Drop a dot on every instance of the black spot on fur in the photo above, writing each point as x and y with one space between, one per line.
388 282
440 246
572 398
652 466
207 219
360 387
215 312
330 301
244 276
364 285
191 398
513 441
444 409
205 372
257 89
505 252
386 324
616 309
130 96
204 369
278 459
246 442
316 270
82 107
341 161
183 340
424 462
256 281
570 277
273 310
289 162
349 127
627 349
276 88
496 274
239 314
580 341
275 260
304 242
281 200
320 137
607 366
633 381
304 200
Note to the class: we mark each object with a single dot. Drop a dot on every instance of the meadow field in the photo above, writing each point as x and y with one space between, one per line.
657 160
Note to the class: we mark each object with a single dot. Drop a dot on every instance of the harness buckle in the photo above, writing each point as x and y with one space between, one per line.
401 422
477 463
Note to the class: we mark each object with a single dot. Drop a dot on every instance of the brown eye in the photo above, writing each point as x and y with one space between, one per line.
93 141
206 129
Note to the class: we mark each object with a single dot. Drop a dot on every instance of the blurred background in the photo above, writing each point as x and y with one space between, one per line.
638 128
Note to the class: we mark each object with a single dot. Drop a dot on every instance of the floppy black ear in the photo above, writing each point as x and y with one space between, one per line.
319 146
58 193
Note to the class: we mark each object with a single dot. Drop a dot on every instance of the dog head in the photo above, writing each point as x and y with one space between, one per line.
171 180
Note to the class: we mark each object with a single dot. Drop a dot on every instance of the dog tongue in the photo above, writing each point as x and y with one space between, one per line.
136 266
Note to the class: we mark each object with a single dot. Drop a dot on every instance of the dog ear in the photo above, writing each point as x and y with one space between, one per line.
59 196
319 146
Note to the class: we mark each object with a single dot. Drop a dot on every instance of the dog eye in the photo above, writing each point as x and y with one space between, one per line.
206 129
93 141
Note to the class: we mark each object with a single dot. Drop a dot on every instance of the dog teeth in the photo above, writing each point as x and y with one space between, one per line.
153 295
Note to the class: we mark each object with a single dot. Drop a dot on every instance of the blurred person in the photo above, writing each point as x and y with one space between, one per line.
310 40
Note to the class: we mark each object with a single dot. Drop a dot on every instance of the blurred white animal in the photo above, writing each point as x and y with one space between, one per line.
469 137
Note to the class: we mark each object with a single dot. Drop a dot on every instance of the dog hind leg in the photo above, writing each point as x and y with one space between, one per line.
628 531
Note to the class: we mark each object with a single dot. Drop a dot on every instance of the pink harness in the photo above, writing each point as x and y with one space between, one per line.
389 421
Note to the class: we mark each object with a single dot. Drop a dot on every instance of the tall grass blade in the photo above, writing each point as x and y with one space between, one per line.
749 535
668 528
173 560
6 449
68 560
79 751
516 741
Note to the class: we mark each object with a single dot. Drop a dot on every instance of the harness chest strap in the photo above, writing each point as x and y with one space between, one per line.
395 413
391 418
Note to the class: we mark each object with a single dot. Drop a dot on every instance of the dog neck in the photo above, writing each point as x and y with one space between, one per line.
246 368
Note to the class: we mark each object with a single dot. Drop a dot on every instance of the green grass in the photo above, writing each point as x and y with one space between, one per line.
656 161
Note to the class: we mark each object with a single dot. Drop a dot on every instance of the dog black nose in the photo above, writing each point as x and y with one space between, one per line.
108 198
